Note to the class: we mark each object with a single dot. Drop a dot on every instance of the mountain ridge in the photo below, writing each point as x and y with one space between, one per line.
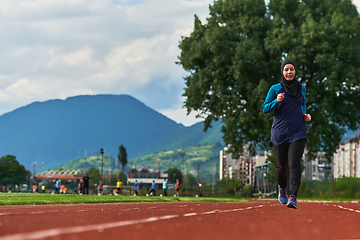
56 131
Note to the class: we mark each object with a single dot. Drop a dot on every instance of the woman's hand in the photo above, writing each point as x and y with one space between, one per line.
307 117
280 97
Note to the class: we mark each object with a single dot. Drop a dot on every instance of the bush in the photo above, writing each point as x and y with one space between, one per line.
248 190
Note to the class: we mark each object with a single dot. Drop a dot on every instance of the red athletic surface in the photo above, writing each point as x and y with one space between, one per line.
253 220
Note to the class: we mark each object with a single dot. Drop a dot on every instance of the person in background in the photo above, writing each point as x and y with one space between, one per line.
80 187
152 188
34 187
43 188
86 180
165 186
178 185
136 187
200 189
118 186
101 185
57 186
288 132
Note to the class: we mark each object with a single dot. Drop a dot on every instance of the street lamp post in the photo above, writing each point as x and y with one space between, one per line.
34 168
158 162
33 178
102 163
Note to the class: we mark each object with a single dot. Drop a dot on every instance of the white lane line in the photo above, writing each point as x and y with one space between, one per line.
189 214
209 212
232 210
349 209
100 227
62 211
169 216
79 229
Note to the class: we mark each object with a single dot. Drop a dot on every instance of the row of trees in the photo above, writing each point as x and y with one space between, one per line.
12 172
234 57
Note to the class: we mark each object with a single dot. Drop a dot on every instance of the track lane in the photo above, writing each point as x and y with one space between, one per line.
256 219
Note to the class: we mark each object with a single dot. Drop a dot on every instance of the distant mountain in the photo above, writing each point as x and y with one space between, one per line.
56 131
204 155
85 163
189 136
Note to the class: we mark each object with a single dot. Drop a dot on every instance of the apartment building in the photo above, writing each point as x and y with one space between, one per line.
318 169
347 158
241 168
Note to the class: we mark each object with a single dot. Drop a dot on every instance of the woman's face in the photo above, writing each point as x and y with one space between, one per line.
289 72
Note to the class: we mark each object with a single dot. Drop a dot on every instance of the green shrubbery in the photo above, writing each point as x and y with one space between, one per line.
344 188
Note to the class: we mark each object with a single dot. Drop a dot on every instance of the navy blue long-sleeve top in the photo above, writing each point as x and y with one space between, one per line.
288 122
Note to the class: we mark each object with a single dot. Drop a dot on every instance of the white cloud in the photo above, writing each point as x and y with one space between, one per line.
80 57
59 48
356 3
179 114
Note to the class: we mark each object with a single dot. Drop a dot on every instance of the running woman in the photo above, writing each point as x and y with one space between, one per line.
288 131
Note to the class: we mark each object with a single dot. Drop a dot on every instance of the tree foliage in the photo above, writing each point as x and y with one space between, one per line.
94 175
120 175
189 180
122 156
235 57
11 171
174 174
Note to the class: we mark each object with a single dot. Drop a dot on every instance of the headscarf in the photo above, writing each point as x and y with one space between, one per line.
293 87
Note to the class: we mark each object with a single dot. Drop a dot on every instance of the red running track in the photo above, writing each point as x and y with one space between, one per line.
263 219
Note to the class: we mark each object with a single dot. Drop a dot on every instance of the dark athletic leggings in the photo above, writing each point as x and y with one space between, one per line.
289 155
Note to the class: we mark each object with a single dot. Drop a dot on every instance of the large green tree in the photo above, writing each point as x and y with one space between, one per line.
235 57
122 156
11 171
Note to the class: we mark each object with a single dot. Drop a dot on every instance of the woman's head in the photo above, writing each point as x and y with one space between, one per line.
292 88
288 70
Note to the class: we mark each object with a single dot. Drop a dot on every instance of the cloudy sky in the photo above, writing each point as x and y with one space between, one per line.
53 49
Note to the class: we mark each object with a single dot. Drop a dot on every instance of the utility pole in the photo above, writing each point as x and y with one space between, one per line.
198 172
34 172
182 165
102 163
34 168
216 172
212 184
158 162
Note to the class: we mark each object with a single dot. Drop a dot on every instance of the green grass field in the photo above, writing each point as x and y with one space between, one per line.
7 199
